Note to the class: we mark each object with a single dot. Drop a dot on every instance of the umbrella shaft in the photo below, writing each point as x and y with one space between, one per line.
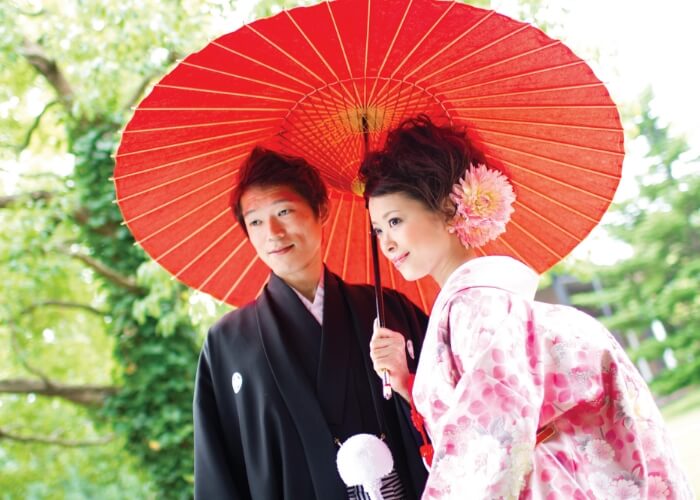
379 297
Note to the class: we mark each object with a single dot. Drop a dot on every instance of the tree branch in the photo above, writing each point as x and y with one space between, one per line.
33 127
37 13
55 441
21 356
85 395
68 305
35 55
107 273
82 216
6 201
136 96
40 175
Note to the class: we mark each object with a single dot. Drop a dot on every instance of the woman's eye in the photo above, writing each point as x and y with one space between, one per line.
394 221
377 231
284 211
253 223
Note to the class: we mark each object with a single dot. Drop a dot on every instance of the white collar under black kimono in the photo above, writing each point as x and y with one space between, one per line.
315 307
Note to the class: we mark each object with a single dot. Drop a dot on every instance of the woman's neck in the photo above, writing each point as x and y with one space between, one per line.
455 257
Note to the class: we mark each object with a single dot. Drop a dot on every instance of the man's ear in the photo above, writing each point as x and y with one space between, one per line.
324 213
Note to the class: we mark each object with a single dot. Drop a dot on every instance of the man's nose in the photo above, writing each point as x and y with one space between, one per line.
275 229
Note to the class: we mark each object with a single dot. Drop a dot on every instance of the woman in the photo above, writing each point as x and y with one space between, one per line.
520 398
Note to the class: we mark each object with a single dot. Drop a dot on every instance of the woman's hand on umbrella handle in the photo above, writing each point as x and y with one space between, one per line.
387 349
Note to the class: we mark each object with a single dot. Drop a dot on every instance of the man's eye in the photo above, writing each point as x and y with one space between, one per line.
284 211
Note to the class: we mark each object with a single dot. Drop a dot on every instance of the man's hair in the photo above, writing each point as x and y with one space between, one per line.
266 168
421 160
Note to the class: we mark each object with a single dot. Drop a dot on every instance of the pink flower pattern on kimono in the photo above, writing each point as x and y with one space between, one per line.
496 366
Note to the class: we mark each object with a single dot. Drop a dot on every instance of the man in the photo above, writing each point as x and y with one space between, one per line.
282 381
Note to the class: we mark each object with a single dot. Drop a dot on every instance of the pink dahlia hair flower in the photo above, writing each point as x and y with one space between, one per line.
484 199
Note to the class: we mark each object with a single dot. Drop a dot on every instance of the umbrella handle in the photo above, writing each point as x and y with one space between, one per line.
386 384
386 377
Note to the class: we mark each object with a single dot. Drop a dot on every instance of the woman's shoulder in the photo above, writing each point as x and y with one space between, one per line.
472 296
476 307
563 313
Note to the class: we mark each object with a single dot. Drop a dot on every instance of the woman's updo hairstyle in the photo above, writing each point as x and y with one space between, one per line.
422 160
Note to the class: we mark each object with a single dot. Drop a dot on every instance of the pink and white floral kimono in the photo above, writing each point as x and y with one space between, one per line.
496 367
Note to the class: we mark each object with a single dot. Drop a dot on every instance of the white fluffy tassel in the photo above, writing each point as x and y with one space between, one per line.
364 459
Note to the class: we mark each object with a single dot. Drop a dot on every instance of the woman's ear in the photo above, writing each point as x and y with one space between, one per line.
448 209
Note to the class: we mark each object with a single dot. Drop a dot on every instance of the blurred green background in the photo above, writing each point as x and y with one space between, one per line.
98 346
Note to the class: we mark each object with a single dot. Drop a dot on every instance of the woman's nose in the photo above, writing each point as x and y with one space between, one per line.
386 244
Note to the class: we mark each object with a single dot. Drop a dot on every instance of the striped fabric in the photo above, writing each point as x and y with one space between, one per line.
392 489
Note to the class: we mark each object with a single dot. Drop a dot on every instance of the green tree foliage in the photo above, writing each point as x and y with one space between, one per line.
102 348
660 281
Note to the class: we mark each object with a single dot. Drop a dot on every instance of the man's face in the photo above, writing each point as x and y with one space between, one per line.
284 231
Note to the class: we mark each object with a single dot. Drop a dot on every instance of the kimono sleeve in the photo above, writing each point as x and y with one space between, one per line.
486 436
213 477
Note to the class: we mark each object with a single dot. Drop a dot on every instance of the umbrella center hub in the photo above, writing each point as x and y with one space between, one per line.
334 124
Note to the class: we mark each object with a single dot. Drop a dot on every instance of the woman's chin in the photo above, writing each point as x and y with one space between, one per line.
411 275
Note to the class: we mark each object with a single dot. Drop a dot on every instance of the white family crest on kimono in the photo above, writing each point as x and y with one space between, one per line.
496 366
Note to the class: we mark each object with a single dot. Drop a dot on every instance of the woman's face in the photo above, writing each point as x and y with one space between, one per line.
413 237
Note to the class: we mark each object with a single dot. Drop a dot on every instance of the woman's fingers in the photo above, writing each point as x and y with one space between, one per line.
388 353
387 350
384 336
386 343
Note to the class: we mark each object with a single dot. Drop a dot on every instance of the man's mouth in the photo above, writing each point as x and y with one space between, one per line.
281 250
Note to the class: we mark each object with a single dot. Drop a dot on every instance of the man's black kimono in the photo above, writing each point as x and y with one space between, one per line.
274 390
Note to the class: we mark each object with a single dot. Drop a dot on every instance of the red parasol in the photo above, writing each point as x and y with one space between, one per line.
316 82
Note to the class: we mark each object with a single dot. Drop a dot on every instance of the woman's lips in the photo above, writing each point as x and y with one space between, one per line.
399 260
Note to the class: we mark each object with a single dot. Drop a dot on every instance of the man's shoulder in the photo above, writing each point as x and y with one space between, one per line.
238 315
233 324
365 294
359 289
